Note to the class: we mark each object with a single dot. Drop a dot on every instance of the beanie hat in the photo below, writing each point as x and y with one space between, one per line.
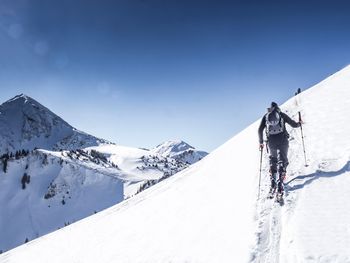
274 104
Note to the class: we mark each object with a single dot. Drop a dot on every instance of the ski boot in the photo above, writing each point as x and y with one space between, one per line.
280 192
273 186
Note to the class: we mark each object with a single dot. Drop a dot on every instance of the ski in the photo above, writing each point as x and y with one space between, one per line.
277 195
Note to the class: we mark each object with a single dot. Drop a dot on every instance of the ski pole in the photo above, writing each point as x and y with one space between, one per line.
302 138
261 154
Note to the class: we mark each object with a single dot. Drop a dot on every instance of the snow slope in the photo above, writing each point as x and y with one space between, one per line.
210 212
194 216
140 168
314 224
85 185
61 190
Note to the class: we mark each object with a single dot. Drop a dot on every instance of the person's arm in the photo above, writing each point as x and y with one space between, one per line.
261 129
288 120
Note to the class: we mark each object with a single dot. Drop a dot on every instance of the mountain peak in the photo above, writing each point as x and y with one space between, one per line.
26 124
21 98
180 151
173 146
25 104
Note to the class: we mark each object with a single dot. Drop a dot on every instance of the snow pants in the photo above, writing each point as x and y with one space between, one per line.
278 161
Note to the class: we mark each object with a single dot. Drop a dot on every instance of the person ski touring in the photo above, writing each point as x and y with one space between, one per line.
277 141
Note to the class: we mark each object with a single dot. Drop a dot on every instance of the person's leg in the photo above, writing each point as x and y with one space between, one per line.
273 165
282 155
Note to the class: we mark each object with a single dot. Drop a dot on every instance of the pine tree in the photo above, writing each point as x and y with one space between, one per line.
5 164
24 180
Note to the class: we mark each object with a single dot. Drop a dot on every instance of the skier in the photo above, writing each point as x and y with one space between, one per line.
277 138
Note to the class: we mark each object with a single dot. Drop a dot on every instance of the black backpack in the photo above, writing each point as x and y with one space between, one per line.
274 123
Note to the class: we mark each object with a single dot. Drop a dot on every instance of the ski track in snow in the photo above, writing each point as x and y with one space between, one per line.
269 227
271 216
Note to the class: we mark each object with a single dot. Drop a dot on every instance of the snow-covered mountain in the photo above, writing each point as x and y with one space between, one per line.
210 211
140 168
26 124
179 150
42 191
72 175
66 186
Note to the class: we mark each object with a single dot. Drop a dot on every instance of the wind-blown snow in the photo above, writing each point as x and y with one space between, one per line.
210 212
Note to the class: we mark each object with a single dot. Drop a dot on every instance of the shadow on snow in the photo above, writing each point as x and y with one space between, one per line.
314 176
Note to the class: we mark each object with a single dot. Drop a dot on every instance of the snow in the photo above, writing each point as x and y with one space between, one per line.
179 150
140 166
319 228
84 184
125 157
172 147
79 184
86 188
210 212
171 221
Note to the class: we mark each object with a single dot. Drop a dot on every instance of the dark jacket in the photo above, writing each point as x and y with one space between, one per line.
277 138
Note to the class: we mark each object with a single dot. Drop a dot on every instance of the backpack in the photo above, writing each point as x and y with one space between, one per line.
274 123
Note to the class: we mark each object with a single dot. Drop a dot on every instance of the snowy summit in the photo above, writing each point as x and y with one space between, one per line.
26 124
179 150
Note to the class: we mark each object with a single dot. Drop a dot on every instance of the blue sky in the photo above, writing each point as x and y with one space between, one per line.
145 71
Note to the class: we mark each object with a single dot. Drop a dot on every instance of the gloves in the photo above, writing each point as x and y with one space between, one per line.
261 146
